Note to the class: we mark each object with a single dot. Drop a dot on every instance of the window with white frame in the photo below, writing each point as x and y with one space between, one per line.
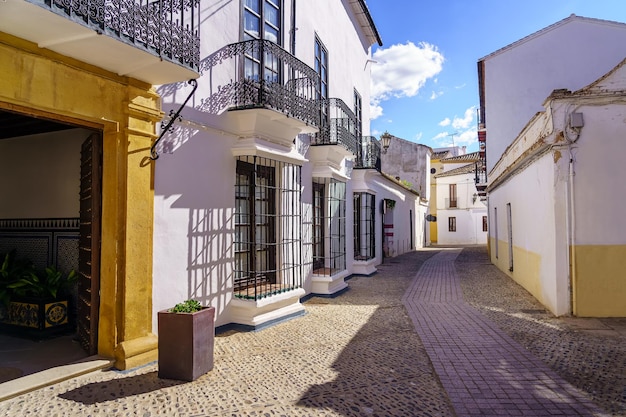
268 234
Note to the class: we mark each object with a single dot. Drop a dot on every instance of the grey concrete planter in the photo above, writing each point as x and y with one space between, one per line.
186 344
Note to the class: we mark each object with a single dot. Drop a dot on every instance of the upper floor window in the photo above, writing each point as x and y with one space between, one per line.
358 113
262 20
453 202
321 67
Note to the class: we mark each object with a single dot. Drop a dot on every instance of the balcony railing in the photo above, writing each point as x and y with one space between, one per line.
337 125
265 76
368 153
480 176
451 203
165 28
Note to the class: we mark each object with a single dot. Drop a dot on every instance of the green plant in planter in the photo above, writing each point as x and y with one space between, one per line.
47 283
188 306
12 270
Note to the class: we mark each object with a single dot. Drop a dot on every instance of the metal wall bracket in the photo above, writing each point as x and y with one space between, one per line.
173 117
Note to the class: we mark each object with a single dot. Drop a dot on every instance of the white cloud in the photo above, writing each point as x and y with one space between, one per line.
436 94
466 121
464 133
418 136
441 135
375 110
467 137
401 70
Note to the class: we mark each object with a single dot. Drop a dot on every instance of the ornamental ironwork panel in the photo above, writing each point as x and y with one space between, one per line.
368 153
480 173
168 29
337 125
274 80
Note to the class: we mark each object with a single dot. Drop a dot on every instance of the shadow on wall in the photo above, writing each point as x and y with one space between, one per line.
209 256
195 174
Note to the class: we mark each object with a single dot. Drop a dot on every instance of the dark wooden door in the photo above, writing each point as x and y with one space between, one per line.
89 243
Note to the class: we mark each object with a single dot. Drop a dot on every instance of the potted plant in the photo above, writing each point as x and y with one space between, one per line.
186 337
35 303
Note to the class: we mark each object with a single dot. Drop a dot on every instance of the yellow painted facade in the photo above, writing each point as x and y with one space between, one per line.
598 287
526 267
599 280
436 165
41 83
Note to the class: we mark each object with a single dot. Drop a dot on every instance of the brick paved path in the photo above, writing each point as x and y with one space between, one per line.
484 371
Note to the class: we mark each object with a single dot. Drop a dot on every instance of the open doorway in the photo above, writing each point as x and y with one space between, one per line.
50 177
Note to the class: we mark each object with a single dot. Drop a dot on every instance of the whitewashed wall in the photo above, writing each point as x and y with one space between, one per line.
532 194
520 77
468 213
599 175
195 174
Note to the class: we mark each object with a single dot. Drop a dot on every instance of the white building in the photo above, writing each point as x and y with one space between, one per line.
461 216
269 188
554 162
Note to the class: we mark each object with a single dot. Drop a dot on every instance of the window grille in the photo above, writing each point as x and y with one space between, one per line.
364 226
268 232
329 226
451 224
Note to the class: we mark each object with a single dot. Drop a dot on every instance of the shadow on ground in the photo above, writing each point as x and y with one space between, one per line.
99 392
595 364
384 370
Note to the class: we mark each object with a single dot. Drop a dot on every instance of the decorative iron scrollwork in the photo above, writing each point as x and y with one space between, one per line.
173 117
290 87
338 127
167 28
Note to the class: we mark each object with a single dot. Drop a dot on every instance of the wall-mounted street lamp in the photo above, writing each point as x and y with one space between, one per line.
385 140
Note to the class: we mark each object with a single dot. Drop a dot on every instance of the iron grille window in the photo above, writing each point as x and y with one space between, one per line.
451 224
319 216
262 20
268 219
485 223
329 226
364 226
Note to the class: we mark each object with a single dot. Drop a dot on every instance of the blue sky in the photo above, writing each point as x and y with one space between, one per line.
424 83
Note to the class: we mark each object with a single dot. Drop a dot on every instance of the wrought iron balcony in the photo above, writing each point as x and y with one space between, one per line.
368 154
156 41
337 125
480 176
264 76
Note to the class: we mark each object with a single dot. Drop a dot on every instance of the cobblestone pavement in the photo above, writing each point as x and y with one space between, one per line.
354 355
